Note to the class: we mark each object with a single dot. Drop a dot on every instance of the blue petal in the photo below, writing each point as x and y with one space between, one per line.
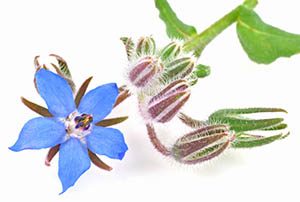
99 101
40 133
73 162
56 92
107 141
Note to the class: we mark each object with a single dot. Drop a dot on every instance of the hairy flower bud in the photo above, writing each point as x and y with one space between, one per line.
144 71
171 51
192 79
165 105
179 68
129 46
202 144
146 46
202 71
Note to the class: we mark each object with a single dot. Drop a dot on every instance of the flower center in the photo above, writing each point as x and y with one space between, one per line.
78 125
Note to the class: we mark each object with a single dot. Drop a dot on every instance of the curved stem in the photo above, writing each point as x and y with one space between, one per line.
200 41
156 142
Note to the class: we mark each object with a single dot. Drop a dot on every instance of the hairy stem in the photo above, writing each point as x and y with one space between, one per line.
156 142
189 121
200 41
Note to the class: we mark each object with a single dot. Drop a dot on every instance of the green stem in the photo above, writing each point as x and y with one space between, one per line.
200 41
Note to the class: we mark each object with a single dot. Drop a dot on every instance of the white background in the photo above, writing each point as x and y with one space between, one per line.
86 33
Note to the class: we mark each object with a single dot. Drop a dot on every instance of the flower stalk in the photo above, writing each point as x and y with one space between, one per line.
156 142
198 42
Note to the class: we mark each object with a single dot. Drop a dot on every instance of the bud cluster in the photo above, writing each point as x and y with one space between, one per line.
168 69
162 79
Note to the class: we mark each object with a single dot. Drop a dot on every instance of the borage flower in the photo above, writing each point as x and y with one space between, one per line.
73 127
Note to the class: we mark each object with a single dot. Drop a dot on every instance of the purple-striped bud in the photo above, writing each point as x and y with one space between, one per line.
202 144
165 105
146 46
144 71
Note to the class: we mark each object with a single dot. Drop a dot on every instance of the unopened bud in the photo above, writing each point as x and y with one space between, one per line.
202 71
144 71
129 46
146 46
202 144
192 79
179 68
165 105
171 51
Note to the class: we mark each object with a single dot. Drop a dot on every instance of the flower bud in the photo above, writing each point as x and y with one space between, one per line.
171 51
202 71
202 144
165 105
144 70
192 79
146 46
179 68
129 46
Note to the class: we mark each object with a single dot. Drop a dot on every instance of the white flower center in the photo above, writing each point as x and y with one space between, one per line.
78 125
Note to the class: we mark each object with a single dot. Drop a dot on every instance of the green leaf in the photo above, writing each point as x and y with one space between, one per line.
250 4
246 111
262 42
237 121
280 126
242 124
255 142
175 27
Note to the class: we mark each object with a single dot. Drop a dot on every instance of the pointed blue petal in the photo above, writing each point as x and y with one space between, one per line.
99 101
107 141
40 133
73 162
56 92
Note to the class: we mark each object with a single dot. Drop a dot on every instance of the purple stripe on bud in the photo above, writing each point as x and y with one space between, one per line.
144 70
202 132
202 144
211 153
166 104
178 85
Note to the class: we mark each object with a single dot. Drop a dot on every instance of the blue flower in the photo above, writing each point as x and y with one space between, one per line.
72 128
